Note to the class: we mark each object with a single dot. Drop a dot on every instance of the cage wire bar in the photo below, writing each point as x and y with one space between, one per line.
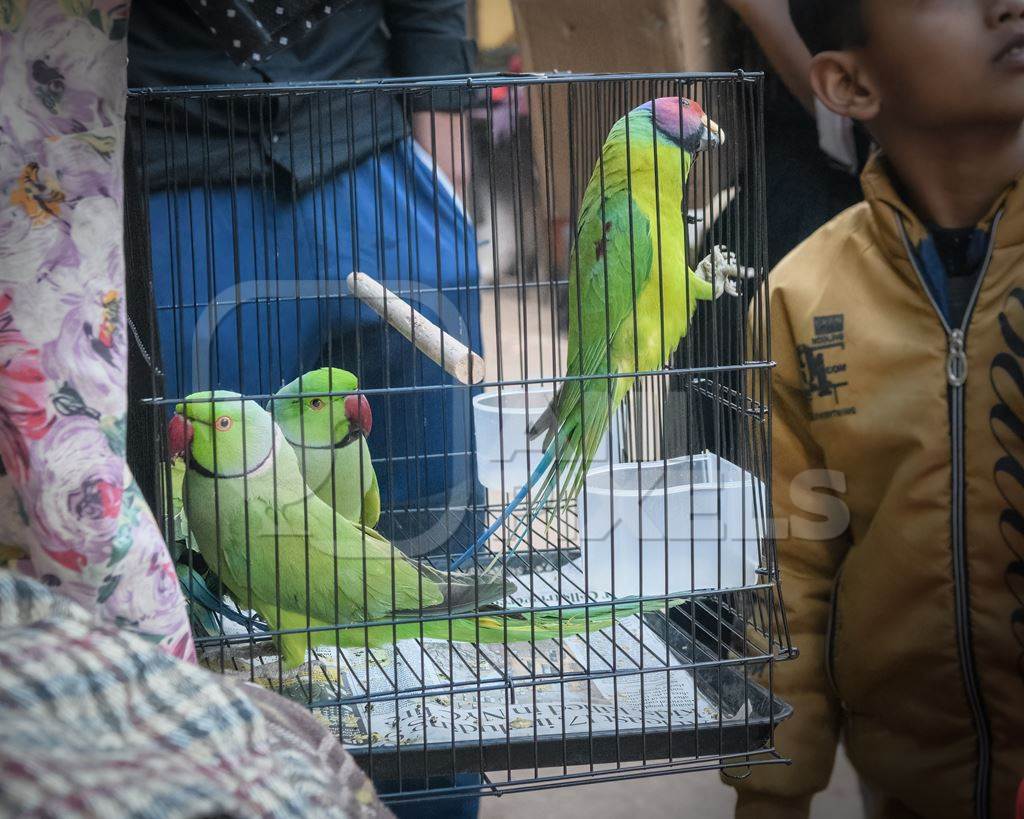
251 207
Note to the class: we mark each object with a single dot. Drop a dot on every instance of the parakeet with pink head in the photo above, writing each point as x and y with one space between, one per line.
632 292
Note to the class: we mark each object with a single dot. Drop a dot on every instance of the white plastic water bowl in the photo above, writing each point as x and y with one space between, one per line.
666 527
505 455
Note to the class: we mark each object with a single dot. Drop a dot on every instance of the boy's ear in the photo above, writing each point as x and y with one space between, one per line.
840 81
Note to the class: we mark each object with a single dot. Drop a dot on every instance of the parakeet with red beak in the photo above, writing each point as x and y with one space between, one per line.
281 550
327 425
631 291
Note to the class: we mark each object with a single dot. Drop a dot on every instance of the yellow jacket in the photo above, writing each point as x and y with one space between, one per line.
910 620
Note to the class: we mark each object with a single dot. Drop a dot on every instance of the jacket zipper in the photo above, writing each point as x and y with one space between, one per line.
956 378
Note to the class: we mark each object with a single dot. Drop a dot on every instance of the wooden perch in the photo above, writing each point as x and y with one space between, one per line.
446 351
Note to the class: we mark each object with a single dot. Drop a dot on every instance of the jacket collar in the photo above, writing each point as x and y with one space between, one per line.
892 215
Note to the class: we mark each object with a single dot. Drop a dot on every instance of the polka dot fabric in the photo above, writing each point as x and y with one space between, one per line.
252 31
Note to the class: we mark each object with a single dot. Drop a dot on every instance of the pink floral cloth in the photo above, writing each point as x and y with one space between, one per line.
67 499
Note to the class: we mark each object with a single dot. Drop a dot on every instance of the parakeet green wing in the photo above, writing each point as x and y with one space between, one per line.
611 266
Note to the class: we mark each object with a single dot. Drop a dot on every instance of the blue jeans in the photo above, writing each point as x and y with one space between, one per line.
275 265
453 807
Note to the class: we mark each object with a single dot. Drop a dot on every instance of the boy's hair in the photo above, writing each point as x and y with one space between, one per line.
829 25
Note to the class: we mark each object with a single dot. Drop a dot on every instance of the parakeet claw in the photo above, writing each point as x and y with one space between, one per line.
721 269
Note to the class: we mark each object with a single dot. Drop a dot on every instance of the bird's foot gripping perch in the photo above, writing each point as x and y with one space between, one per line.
720 268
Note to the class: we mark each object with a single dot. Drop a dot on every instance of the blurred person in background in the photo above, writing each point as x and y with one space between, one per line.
812 156
812 159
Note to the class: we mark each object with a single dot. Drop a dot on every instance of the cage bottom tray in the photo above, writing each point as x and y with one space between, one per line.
428 708
708 711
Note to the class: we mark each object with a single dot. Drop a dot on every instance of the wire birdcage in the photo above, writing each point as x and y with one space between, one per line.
292 228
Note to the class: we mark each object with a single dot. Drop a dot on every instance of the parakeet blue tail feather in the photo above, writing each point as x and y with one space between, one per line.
197 591
521 495
525 523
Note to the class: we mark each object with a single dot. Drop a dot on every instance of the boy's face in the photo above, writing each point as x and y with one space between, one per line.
943 63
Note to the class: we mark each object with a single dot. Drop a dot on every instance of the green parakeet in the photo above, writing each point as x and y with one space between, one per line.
193 583
328 434
631 291
279 549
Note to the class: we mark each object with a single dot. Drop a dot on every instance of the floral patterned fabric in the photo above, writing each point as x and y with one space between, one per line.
68 502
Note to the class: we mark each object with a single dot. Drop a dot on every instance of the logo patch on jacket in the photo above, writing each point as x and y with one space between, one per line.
823 369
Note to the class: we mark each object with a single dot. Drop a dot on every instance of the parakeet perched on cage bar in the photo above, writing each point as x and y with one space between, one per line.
632 293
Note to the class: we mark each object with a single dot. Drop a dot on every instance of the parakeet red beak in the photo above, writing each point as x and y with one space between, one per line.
179 436
360 419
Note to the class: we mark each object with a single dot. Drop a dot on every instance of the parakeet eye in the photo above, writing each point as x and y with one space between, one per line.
316 404
224 423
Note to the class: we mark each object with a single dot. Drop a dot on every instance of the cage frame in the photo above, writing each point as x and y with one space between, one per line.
684 748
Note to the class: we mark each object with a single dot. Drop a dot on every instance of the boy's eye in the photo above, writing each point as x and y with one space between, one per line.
316 404
223 423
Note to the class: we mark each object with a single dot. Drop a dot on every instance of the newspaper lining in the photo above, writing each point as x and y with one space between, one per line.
425 692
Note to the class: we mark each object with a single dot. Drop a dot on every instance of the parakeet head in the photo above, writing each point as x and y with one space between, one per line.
325 420
220 434
679 121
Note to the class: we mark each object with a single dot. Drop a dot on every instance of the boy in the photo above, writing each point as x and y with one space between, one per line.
898 329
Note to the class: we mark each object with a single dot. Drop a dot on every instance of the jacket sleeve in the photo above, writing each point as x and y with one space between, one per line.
808 568
428 37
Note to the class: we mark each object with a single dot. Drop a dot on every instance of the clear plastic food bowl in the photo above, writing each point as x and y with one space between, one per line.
503 446
671 526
